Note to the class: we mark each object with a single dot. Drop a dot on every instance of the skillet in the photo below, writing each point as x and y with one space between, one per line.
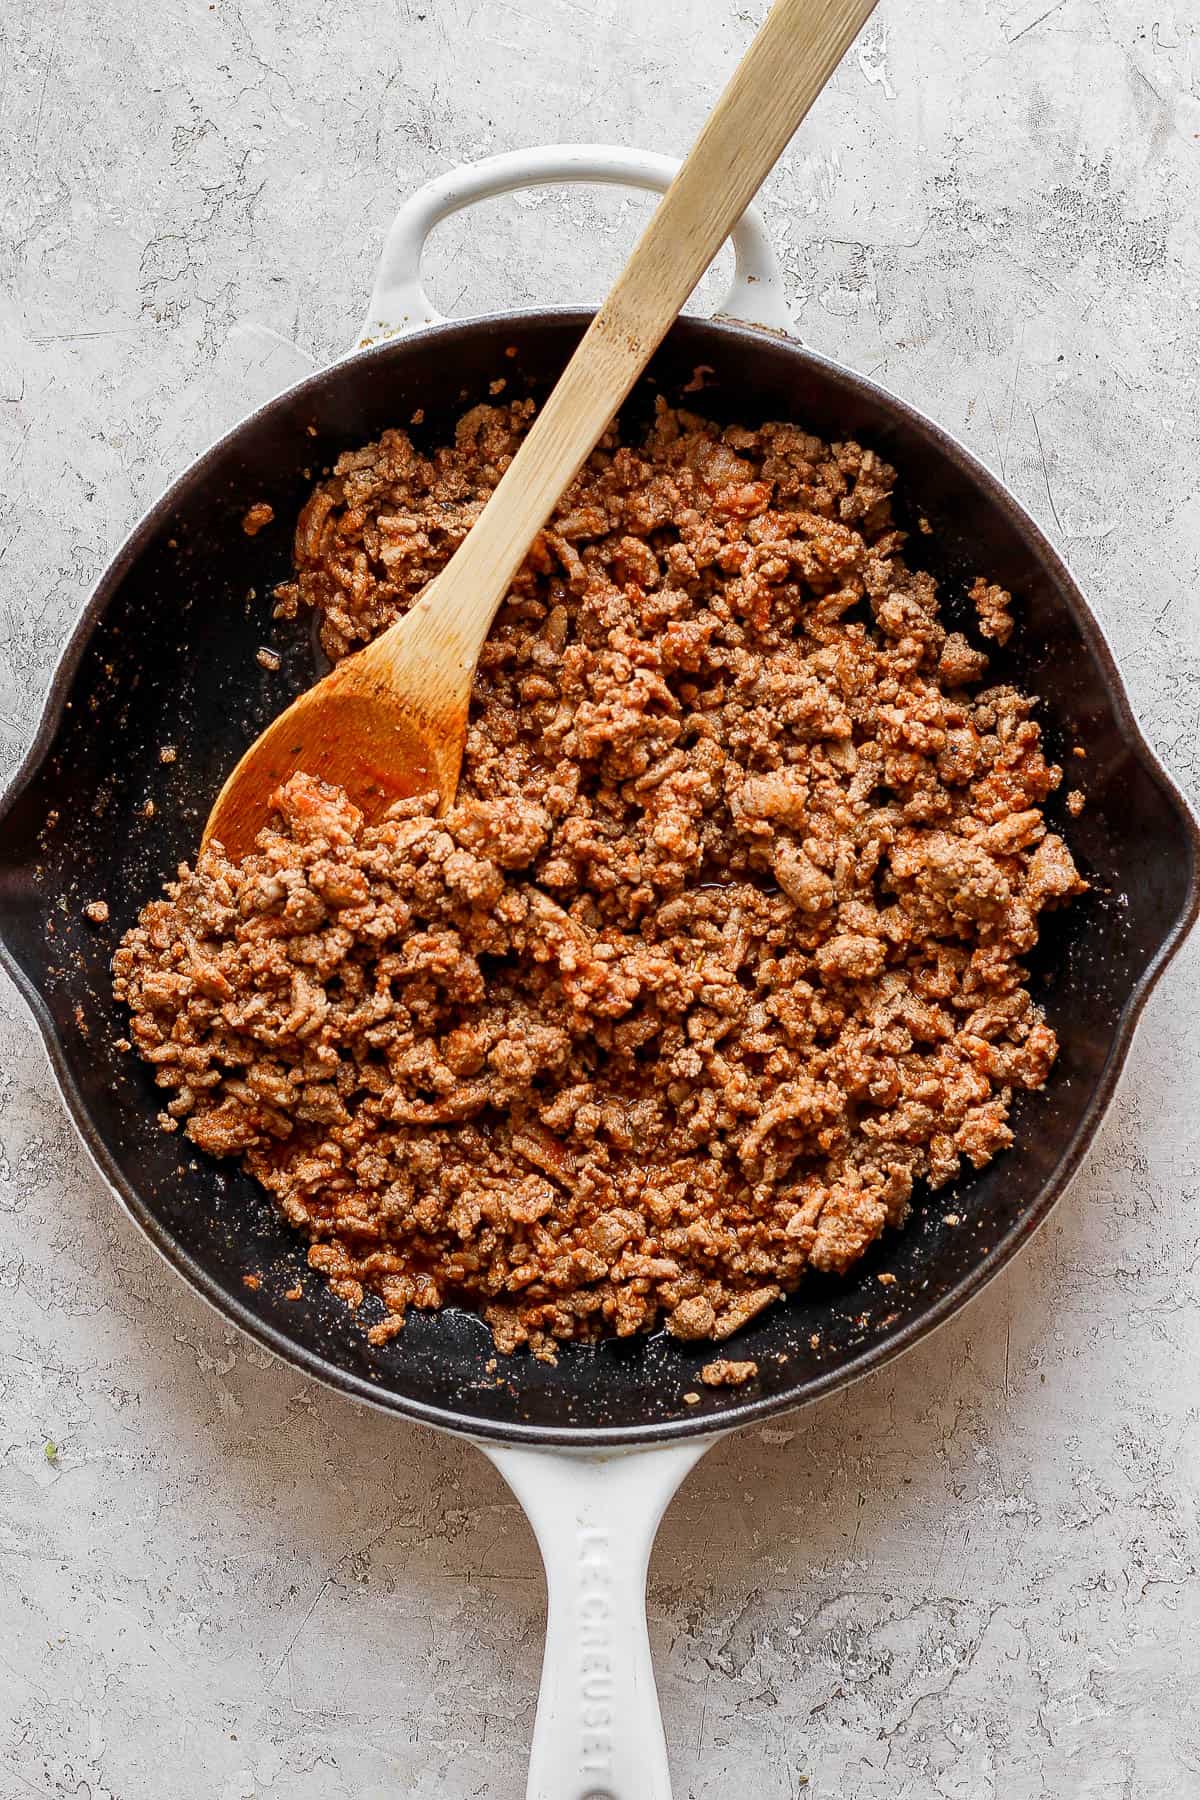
165 655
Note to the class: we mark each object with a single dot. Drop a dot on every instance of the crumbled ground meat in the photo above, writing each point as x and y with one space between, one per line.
723 1373
718 950
992 606
96 911
257 516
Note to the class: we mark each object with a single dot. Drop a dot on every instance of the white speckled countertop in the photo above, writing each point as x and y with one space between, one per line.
973 1576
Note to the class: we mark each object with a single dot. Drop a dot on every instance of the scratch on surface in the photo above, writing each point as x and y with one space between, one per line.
1037 431
1012 405
1136 69
995 433
291 1643
25 1783
1040 19
1158 619
703 1719
1033 274
941 1555
55 35
75 337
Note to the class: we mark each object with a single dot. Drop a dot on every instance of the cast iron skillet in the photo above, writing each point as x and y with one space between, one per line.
165 656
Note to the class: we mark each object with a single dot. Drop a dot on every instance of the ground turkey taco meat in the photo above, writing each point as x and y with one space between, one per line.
718 951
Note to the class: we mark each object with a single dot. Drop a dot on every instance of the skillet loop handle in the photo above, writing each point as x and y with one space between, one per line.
400 305
598 1733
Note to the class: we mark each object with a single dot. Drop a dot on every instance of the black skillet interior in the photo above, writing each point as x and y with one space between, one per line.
166 659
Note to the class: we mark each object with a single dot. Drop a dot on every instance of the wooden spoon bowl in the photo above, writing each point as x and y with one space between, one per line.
365 728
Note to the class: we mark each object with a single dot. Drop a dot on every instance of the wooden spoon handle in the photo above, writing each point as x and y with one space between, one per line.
787 65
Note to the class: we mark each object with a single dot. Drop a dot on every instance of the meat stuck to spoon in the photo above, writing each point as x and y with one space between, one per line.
391 721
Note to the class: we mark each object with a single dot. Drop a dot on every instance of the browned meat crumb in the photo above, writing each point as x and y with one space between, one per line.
691 1398
253 1282
270 659
295 1293
1079 751
887 1280
718 951
167 753
1075 802
723 1373
992 605
148 809
96 911
387 1328
124 1046
257 516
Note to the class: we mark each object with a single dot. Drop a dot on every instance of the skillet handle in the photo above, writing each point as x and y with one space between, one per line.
399 303
598 1733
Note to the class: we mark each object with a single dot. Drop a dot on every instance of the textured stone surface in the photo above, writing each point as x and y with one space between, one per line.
971 1577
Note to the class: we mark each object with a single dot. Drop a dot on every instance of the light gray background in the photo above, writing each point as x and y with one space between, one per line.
974 1576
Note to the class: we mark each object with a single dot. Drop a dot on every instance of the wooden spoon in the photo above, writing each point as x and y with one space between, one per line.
391 720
